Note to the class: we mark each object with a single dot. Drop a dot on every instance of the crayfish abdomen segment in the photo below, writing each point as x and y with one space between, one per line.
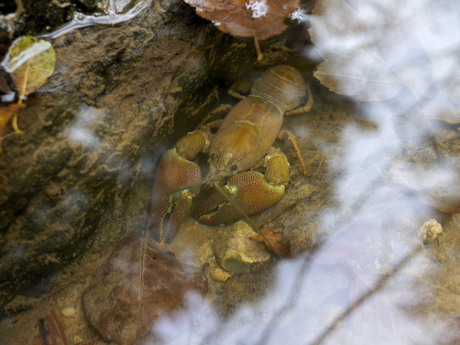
282 86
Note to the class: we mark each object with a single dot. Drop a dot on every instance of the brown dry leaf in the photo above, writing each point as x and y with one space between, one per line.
138 283
353 65
50 329
259 18
6 113
273 242
4 87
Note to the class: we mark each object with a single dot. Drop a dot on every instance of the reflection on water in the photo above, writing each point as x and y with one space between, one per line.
81 131
113 11
373 228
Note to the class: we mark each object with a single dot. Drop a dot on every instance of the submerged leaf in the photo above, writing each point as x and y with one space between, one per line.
6 113
259 18
437 29
138 283
353 64
30 63
273 242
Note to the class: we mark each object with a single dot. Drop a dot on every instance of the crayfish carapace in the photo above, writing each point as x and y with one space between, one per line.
243 141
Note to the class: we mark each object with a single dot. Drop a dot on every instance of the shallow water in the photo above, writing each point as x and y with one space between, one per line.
372 228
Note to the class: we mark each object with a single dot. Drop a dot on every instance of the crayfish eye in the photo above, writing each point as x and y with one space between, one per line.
214 157
233 167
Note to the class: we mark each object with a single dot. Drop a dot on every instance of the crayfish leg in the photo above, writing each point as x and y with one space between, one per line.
306 108
284 134
223 108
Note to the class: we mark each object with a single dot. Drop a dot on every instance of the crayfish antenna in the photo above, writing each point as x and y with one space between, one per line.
223 169
219 169
221 191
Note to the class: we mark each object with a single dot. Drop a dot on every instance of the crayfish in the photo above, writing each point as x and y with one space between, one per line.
243 141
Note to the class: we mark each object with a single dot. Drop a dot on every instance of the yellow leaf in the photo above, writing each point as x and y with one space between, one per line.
30 63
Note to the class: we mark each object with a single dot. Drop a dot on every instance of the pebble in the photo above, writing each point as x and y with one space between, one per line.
429 231
219 274
236 251
69 311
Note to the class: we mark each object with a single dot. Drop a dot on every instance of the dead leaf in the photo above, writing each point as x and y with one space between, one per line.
51 330
138 283
273 242
353 64
4 87
30 63
6 113
259 18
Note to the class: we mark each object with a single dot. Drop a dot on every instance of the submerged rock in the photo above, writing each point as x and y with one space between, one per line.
138 283
236 251
429 231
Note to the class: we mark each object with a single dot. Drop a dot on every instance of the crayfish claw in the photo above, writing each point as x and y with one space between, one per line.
176 182
249 192
181 211
161 208
246 193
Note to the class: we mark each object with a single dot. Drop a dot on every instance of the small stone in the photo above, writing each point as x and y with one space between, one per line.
236 251
429 231
69 311
77 340
441 258
218 274
20 303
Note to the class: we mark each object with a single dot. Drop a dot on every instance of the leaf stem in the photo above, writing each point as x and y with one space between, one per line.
260 56
21 98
